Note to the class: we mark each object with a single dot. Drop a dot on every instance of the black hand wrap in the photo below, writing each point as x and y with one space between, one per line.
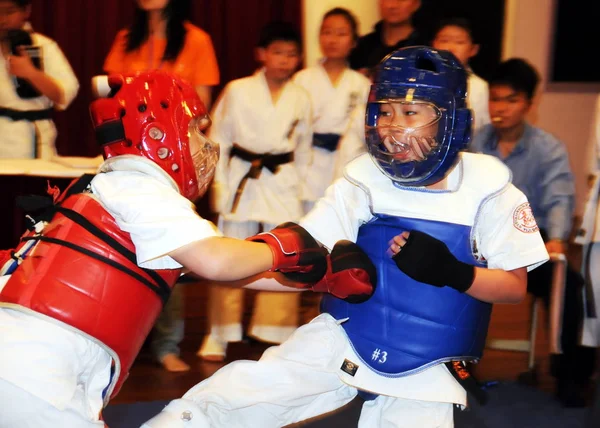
427 259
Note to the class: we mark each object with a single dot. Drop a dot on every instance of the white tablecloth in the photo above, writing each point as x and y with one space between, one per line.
61 166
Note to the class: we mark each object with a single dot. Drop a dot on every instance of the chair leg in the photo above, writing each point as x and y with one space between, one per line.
530 377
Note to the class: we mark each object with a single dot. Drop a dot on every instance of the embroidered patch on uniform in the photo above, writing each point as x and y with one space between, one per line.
524 220
349 367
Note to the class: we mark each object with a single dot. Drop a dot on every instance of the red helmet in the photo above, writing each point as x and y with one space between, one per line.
159 117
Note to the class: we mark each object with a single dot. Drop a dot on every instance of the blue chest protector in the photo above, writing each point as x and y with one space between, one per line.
408 326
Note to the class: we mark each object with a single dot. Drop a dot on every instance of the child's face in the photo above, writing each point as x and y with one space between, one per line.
12 17
508 108
458 41
336 37
204 152
280 59
408 130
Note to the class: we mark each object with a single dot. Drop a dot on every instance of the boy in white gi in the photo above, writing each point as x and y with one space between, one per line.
449 235
31 89
262 123
338 95
76 307
457 36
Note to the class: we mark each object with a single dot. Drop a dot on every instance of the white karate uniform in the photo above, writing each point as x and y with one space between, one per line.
245 115
303 377
477 100
589 237
19 138
334 107
59 372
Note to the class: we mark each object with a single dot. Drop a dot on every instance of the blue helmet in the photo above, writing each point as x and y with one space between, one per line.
417 120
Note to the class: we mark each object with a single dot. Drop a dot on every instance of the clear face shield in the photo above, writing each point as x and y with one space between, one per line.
204 151
404 137
408 130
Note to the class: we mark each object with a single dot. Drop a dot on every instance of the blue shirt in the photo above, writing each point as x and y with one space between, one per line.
540 169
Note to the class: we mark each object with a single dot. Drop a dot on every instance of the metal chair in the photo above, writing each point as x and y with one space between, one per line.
557 298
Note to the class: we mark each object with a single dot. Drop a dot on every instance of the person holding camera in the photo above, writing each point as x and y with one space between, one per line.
35 78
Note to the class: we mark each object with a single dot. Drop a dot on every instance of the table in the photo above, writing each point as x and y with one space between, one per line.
32 176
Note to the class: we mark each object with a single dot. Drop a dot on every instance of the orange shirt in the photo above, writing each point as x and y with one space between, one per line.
196 62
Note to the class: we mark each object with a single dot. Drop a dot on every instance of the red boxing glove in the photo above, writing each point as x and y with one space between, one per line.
351 275
296 254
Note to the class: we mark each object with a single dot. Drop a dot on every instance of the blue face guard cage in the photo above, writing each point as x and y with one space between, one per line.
421 74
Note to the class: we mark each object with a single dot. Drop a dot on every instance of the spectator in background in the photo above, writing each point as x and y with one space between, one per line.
160 37
540 166
30 89
262 123
338 98
394 31
456 35
589 236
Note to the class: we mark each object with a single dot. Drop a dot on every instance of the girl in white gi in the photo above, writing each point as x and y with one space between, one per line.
456 35
338 95
31 89
589 237
262 123
76 311
449 234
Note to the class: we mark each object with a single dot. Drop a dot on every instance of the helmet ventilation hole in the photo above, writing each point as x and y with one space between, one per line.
162 153
426 64
164 104
156 133
142 108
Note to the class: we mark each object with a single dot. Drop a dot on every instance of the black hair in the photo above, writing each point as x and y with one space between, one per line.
176 12
345 13
518 74
22 4
279 31
457 21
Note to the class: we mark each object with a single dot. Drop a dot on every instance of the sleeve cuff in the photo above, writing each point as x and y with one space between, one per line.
530 260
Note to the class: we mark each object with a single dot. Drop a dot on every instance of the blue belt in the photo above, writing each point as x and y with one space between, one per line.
328 142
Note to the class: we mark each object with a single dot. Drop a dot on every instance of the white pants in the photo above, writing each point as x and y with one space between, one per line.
290 383
21 409
591 271
275 315
49 376
22 139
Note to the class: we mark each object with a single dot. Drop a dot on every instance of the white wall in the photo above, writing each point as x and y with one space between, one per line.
366 11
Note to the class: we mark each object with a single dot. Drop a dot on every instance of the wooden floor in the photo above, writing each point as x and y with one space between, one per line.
148 381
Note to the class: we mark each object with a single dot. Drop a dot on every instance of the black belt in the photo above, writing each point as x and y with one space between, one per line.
30 115
328 142
258 162
461 373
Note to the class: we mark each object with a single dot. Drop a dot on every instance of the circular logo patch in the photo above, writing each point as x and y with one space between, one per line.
524 220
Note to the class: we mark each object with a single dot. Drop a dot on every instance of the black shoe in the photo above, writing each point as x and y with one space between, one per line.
571 394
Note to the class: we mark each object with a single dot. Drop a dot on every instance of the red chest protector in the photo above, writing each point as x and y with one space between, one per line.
83 273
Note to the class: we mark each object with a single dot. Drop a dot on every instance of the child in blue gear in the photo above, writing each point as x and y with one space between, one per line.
449 234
